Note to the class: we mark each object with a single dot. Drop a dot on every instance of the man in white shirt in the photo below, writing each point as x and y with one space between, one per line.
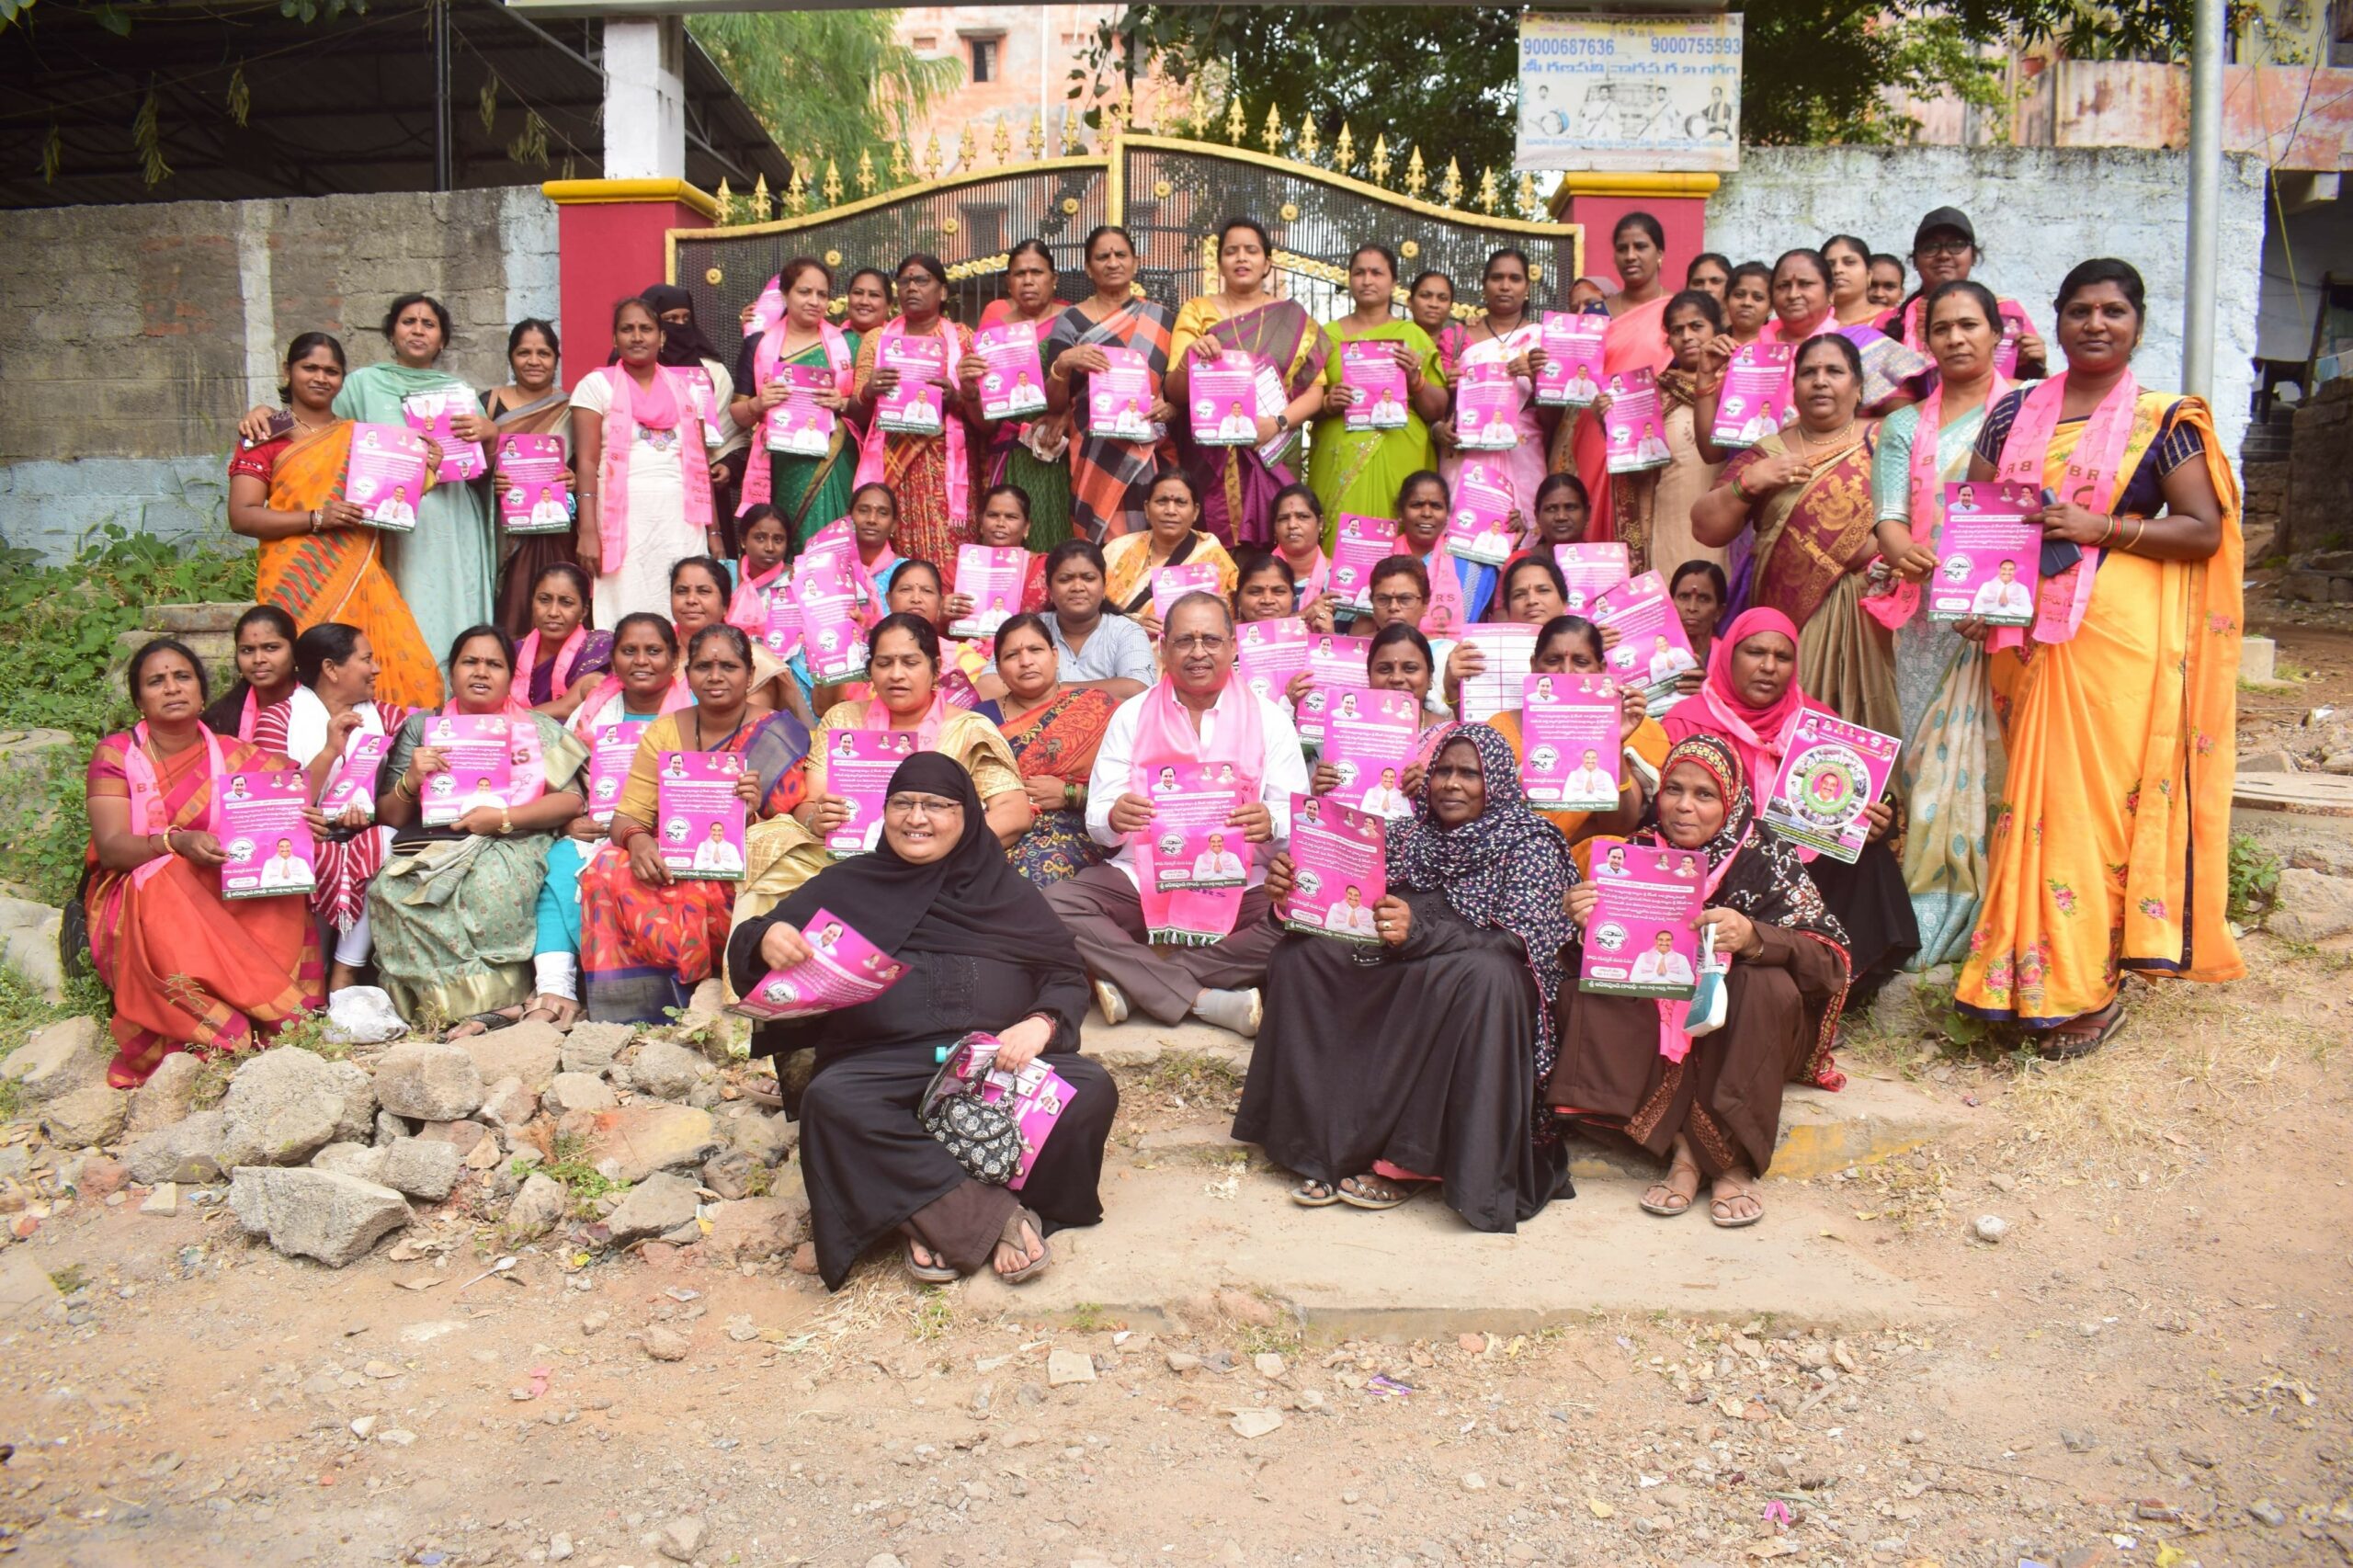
1662 965
1588 782
1217 864
283 869
1350 916
2003 595
1384 799
715 853
1667 661
1100 904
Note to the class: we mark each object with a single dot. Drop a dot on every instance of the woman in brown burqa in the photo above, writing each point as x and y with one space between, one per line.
1713 1104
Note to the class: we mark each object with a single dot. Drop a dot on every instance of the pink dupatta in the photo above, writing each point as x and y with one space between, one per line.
768 321
960 468
926 730
748 610
2093 481
526 657
1927 500
149 815
662 406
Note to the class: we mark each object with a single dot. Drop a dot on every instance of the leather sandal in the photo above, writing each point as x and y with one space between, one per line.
1011 1237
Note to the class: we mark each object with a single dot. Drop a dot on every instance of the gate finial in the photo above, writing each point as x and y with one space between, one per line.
1197 114
1000 144
865 171
1036 145
1524 195
1488 194
1416 180
726 199
760 198
833 185
796 193
1236 128
968 150
1273 135
1451 187
899 156
1378 165
1344 151
927 166
1074 133
1311 146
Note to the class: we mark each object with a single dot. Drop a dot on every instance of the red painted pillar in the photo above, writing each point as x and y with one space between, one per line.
1598 199
613 239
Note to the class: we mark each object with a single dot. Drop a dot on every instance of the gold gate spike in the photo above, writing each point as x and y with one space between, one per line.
1197 114
726 199
1273 136
1000 144
760 198
1524 195
968 150
1115 116
1487 193
1074 133
899 159
865 171
927 166
1344 151
1236 128
1311 146
1036 143
796 194
1378 165
1417 178
833 185
1450 187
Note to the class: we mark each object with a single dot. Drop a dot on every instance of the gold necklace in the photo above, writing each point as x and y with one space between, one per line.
1806 449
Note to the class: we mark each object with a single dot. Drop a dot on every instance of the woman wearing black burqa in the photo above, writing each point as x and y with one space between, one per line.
983 951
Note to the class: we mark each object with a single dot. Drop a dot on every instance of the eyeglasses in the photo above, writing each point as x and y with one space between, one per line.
921 805
1200 642
1395 601
1943 248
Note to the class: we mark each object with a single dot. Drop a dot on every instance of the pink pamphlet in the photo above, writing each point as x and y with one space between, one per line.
1572 373
1119 398
429 412
1651 651
534 486
2006 352
1369 738
832 637
1015 382
833 548
1478 526
1223 395
1486 408
1372 368
992 578
608 766
1173 582
352 783
800 427
1339 869
1569 723
781 631
263 833
1506 652
1590 570
1034 1098
858 765
1831 774
476 770
843 969
1336 664
702 817
1635 427
1359 545
1269 653
1988 555
384 476
1191 868
1639 941
917 405
1755 400
704 394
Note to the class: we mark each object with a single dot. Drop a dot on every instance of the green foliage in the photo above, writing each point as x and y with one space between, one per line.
825 81
2255 877
584 1181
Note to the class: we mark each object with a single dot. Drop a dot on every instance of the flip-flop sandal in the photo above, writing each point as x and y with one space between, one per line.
1313 1194
1360 1200
1011 1236
1669 1211
1722 1223
491 1023
2064 1044
926 1273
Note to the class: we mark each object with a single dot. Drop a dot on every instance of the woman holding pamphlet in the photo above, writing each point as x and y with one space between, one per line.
792 385
916 416
698 597
1748 302
1569 645
1636 340
648 934
982 952
1173 537
1026 449
1417 1058
1700 594
189 970
2135 795
1533 591
1944 250
646 494
1054 732
1118 426
1653 508
532 404
264 640
1299 539
1711 1106
1382 385
317 559
447 566
1953 737
453 908
1507 340
1284 348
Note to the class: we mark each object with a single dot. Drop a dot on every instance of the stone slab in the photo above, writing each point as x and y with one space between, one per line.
2307 794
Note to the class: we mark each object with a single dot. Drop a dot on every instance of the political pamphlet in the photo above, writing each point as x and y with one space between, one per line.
1569 724
1830 775
1224 395
801 426
1015 382
608 766
1339 869
265 837
1336 663
1633 425
1486 408
1191 867
1755 402
703 394
832 637
1572 373
1369 738
1506 652
476 771
1652 650
1170 584
352 783
992 578
429 412
1119 397
1589 571
1371 368
917 404
534 486
1638 938
1034 1096
858 765
1269 653
781 631
843 969
702 817
2005 351
1988 556
1359 544
384 476
1478 524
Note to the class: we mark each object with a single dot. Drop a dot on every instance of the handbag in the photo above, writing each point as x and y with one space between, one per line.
979 1134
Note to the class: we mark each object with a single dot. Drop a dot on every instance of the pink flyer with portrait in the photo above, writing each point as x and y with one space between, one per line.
1223 395
1651 651
800 427
1358 545
2006 352
1486 408
384 476
1506 652
1191 865
534 486
1634 426
843 969
1572 373
1639 941
1034 1098
781 631
704 394
1755 395
1988 556
1173 582
608 766
1590 570
429 412
477 771
352 783
1015 382
1339 869
858 765
917 404
702 817
992 578
1568 724
263 834
1269 653
1369 738
832 637
1336 664
1119 398
1478 524
1372 368
1831 774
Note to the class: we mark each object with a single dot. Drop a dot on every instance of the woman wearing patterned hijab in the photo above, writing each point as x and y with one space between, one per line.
1714 1105
1414 1055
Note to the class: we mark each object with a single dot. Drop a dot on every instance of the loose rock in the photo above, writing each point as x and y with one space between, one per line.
2266 1512
164 1199
187 1151
643 1139
729 1174
1069 1367
590 1048
1990 1227
422 1167
508 1104
86 1118
2310 907
351 1160
430 1081
319 1214
667 1344
667 1072
753 1229
659 1204
682 1537
286 1105
529 1051
569 1091
538 1206
167 1096
67 1055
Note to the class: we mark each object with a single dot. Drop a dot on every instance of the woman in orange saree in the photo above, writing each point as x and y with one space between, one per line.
318 562
1636 340
2110 848
189 971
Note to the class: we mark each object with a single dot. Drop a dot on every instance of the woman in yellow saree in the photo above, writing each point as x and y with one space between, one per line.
318 562
2110 848
1362 471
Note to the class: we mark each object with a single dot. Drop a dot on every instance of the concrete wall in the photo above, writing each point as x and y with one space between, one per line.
144 331
2037 210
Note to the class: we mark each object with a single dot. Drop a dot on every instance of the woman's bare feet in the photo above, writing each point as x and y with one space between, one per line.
342 977
1675 1193
1734 1204
1021 1250
560 1011
466 1029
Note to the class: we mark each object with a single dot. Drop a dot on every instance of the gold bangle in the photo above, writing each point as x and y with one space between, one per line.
506 821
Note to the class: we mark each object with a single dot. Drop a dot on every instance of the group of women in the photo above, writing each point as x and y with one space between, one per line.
2058 815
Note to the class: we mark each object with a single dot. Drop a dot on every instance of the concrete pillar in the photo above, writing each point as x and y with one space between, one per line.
646 116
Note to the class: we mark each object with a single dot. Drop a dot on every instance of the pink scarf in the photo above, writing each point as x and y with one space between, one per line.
247 714
1164 734
148 815
1774 331
1311 586
768 322
1448 613
1927 500
1761 735
527 761
526 658
1674 1039
926 730
633 408
749 609
584 716
2094 480
960 473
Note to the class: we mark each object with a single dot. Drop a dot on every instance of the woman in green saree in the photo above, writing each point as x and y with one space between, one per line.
790 329
1362 471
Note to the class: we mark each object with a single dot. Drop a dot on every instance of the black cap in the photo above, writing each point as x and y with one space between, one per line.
1951 218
